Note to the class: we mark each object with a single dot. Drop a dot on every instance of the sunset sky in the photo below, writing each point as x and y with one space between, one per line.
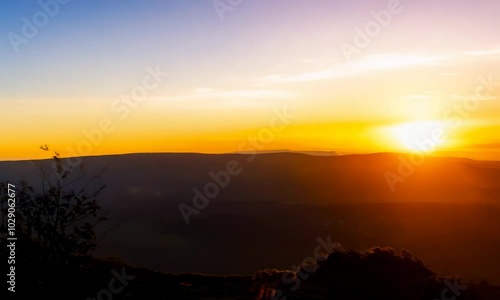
228 73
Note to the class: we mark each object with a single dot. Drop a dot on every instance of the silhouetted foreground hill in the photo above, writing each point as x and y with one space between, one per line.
377 273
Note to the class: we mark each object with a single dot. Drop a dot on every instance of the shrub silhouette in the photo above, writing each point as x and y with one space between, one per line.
381 272
376 273
55 226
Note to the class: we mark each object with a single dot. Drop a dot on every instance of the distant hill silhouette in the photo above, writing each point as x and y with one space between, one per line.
314 153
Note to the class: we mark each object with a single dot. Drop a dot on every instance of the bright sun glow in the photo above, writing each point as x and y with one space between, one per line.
423 136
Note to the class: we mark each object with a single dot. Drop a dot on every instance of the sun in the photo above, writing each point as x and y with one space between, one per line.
424 136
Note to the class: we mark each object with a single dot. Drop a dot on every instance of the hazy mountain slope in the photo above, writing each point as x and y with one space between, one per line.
271 214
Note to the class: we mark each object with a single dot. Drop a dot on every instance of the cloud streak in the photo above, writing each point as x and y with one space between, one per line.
202 97
368 64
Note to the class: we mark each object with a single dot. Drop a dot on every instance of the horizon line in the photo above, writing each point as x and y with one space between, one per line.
328 153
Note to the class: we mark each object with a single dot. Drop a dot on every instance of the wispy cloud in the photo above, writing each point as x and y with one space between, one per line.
368 64
418 97
229 98
484 52
310 60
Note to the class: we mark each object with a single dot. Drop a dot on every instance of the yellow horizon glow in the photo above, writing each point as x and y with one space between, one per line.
344 137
